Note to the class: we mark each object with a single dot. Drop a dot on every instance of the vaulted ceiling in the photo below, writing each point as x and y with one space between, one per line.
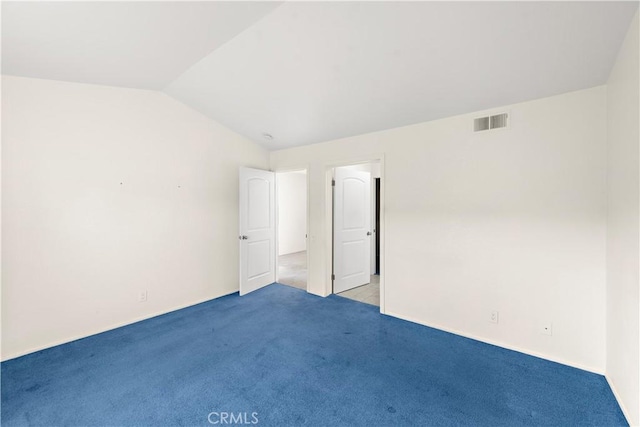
308 72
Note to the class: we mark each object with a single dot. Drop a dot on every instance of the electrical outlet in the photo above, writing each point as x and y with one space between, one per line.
493 318
142 296
546 329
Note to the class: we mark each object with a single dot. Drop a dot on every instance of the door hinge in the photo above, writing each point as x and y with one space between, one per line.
333 277
333 182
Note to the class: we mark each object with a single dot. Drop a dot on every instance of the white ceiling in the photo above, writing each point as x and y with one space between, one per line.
307 72
133 44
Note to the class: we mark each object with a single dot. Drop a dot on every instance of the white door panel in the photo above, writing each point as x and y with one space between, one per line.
353 196
352 259
352 229
257 229
258 253
258 209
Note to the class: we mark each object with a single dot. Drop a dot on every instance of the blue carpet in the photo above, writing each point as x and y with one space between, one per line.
280 356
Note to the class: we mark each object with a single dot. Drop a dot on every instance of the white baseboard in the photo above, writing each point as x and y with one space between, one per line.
109 328
499 344
625 411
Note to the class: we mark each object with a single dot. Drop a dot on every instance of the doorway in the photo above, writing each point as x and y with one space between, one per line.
356 231
292 228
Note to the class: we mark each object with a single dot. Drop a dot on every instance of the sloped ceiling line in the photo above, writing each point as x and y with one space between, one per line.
307 72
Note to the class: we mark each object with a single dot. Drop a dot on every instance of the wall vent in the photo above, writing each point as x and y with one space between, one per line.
481 124
490 122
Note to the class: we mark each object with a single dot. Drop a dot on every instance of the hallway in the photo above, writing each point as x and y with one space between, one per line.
368 294
292 270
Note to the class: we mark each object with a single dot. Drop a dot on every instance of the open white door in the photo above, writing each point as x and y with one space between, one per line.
257 229
351 229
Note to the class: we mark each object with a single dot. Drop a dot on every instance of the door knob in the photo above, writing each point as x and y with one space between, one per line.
368 233
243 237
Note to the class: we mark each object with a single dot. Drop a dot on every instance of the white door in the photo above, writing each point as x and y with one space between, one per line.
257 229
351 229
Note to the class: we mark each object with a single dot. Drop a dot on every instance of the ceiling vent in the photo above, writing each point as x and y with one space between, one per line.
490 122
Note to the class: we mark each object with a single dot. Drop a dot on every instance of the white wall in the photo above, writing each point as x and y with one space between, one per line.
511 220
292 212
623 227
78 245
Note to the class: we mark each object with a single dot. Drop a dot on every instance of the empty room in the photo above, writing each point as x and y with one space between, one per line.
334 213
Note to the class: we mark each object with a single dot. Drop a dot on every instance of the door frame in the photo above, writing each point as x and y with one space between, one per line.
328 169
287 170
